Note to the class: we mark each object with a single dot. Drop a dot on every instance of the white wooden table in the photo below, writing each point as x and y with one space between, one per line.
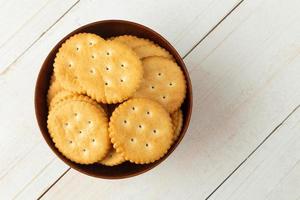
244 138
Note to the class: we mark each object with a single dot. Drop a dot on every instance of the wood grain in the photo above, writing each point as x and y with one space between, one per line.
273 171
24 22
28 167
245 78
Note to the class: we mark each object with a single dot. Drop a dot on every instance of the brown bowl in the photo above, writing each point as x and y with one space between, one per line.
106 29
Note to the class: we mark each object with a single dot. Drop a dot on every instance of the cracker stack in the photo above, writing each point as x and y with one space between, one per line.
114 100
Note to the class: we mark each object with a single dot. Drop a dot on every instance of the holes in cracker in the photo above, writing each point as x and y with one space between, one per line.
70 141
93 140
91 43
125 121
67 124
170 84
77 48
75 77
148 113
152 87
131 140
107 53
164 97
75 114
159 74
84 150
146 145
70 65
106 83
140 126
133 108
107 68
92 71
121 80
122 65
93 56
154 131
80 131
90 122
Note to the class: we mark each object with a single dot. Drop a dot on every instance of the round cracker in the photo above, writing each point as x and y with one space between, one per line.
111 74
54 88
72 55
132 41
177 120
66 95
163 82
79 131
60 96
112 158
152 50
141 129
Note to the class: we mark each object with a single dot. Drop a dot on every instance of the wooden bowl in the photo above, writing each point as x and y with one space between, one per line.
106 29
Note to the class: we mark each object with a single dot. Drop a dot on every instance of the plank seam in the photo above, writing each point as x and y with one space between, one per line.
9 67
40 172
24 24
49 188
213 28
253 152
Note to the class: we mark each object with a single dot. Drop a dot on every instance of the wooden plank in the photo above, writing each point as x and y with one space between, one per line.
245 78
183 29
23 12
41 181
23 22
199 18
273 171
28 167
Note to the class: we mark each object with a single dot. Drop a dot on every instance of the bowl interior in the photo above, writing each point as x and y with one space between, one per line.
107 29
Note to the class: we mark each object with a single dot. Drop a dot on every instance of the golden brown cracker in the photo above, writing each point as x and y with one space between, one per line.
73 55
141 129
79 131
152 50
177 120
163 82
132 41
66 95
59 97
112 158
54 88
111 72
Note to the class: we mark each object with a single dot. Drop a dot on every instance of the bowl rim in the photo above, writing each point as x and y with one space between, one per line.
186 118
